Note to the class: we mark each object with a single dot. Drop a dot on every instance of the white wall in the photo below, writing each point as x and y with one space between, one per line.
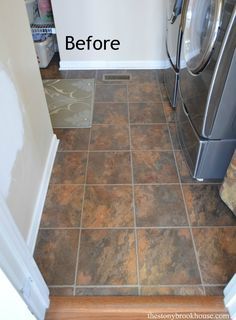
139 25
10 297
25 129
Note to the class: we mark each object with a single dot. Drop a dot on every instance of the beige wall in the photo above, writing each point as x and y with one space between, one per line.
138 24
25 128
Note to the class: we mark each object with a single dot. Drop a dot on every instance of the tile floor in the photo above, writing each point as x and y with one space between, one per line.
123 215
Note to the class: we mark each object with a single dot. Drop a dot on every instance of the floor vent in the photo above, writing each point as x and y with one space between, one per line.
116 77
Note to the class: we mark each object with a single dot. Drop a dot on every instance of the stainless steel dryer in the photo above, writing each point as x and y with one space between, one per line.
206 112
173 45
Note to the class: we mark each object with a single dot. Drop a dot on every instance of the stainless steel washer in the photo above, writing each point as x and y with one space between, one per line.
173 46
206 112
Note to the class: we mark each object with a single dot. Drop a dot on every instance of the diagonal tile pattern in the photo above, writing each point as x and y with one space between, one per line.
123 215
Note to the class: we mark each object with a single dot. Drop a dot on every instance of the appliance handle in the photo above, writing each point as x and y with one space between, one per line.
176 11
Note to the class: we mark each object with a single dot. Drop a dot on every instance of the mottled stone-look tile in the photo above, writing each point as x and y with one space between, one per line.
205 206
72 139
163 91
160 76
81 74
108 206
146 112
159 206
184 172
154 167
150 137
169 112
110 113
174 136
63 291
167 257
111 93
55 255
63 206
107 257
106 291
172 291
109 168
144 76
101 73
69 167
216 248
52 71
109 137
144 92
214 291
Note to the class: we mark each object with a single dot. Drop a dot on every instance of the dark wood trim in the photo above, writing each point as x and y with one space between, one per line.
130 308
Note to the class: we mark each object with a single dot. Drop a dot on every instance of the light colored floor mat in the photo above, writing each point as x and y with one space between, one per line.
70 102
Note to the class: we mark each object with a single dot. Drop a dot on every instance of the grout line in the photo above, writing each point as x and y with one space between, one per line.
189 221
116 150
81 217
143 286
186 211
124 124
138 228
133 198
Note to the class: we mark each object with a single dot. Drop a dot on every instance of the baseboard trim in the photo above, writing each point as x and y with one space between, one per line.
99 65
32 236
133 308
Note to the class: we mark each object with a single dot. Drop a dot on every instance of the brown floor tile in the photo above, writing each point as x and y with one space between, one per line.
110 113
136 76
159 206
163 90
72 139
160 76
111 93
108 206
109 168
154 167
169 112
65 291
216 248
107 257
69 167
144 92
101 73
205 206
55 255
150 137
183 168
174 136
144 76
109 137
147 112
167 257
214 291
81 74
63 206
52 71
172 291
106 291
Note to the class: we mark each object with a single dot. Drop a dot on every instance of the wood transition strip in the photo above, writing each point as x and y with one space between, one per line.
133 308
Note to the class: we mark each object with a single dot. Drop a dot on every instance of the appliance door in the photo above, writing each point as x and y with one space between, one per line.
202 21
173 22
202 39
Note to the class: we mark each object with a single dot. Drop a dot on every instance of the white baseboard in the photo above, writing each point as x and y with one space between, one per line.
98 65
32 236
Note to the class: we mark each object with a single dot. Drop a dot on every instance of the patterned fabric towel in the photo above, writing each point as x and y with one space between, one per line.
228 188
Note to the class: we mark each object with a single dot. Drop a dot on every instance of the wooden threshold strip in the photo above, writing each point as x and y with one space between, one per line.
134 308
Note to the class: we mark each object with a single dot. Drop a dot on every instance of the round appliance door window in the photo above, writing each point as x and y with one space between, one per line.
202 22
